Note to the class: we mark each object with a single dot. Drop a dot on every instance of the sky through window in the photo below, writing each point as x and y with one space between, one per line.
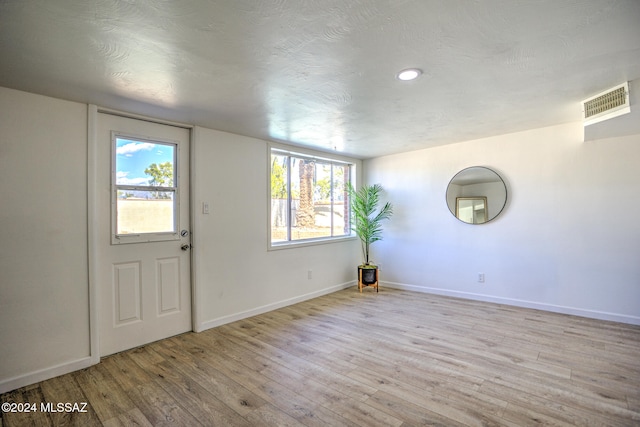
133 157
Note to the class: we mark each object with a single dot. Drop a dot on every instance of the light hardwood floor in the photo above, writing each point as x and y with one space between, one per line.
387 359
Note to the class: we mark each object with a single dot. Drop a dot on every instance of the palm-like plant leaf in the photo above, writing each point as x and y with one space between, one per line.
366 220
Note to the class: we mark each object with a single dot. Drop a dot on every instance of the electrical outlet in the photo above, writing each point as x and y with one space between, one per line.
481 277
205 207
310 274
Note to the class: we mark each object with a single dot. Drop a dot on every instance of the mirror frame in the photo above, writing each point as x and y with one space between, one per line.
452 199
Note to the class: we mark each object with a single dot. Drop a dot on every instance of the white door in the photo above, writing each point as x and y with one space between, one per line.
142 248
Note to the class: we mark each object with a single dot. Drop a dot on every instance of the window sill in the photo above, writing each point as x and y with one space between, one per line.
303 243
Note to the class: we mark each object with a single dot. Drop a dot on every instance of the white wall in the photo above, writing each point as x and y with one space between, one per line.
235 275
567 241
44 292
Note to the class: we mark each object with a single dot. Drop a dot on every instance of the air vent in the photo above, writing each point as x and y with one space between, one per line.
606 105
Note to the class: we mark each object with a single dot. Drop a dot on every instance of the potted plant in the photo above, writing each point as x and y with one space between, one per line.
366 222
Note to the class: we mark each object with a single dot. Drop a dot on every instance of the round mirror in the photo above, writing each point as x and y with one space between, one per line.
476 195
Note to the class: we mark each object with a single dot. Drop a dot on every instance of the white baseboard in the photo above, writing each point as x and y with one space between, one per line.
269 307
45 374
593 314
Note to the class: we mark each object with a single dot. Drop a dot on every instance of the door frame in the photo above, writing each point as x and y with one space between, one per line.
92 191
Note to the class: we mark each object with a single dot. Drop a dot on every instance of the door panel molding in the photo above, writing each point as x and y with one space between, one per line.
127 302
168 284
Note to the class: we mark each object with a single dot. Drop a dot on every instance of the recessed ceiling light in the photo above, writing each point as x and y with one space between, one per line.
409 74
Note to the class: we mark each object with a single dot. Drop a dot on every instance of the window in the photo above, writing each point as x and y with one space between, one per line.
309 199
144 190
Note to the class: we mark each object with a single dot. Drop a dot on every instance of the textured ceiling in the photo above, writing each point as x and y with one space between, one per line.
322 73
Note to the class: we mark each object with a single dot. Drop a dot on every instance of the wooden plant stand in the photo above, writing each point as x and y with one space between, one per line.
362 285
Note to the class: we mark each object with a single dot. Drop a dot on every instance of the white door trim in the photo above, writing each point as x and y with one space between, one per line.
92 175
92 191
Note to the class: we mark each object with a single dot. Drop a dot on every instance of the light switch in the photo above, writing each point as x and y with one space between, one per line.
205 207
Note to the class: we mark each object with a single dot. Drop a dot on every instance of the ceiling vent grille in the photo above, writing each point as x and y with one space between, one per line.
606 105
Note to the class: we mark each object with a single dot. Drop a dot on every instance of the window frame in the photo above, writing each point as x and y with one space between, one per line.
274 149
118 239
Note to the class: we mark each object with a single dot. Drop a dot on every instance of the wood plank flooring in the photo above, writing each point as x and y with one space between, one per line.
393 358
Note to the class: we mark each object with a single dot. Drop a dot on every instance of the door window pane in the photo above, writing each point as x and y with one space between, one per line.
144 185
145 213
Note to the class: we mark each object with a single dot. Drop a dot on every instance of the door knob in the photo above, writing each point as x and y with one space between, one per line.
185 247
